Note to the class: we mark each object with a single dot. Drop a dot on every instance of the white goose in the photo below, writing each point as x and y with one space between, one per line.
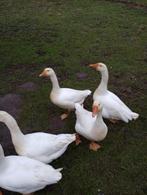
113 108
64 97
91 127
25 175
41 146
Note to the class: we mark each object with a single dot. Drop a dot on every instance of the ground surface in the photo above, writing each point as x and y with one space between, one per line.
68 35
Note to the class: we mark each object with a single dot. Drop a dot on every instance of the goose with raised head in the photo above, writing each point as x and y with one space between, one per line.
91 127
41 146
114 108
25 175
64 97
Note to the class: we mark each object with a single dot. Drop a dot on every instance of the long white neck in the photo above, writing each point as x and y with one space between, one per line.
54 80
104 81
3 161
101 126
10 122
1 152
99 117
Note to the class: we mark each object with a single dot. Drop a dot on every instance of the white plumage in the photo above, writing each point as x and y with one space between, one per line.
113 107
41 146
92 128
64 97
25 175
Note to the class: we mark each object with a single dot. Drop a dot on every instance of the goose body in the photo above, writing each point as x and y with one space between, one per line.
41 146
92 128
64 97
25 175
113 107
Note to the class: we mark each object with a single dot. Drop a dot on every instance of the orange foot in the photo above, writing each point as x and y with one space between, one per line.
64 116
1 193
113 121
93 146
78 140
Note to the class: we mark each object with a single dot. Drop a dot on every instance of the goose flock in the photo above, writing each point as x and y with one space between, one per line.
29 171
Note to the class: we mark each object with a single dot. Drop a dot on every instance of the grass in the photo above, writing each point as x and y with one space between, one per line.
68 35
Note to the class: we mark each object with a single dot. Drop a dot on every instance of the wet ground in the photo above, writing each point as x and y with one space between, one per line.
67 36
130 4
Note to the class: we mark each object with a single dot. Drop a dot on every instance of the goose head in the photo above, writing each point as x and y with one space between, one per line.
96 108
47 72
101 67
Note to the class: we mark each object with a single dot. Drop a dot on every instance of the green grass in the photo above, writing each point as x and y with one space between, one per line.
68 35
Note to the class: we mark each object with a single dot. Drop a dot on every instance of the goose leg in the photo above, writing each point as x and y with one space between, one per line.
65 115
94 146
114 121
1 193
78 140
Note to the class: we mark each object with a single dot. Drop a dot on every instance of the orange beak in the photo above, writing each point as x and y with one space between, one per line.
43 74
94 65
95 110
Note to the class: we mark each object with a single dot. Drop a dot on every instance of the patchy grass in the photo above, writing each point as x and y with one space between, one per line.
68 35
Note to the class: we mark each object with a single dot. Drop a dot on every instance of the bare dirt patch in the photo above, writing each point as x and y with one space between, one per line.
29 86
130 4
55 125
129 88
81 75
11 103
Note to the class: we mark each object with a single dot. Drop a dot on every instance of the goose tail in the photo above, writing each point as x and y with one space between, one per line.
57 175
66 139
59 169
88 92
78 106
71 138
135 115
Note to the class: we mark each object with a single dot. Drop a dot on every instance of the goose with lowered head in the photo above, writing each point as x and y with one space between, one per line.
41 146
113 107
64 97
25 175
91 127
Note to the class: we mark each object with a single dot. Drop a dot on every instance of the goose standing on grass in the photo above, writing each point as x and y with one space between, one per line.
41 146
113 108
64 97
91 127
25 175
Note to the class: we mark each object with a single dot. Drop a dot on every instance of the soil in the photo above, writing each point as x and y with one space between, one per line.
11 103
129 4
29 86
56 124
81 75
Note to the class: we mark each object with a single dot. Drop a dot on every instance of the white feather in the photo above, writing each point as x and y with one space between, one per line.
113 106
41 146
92 128
25 175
